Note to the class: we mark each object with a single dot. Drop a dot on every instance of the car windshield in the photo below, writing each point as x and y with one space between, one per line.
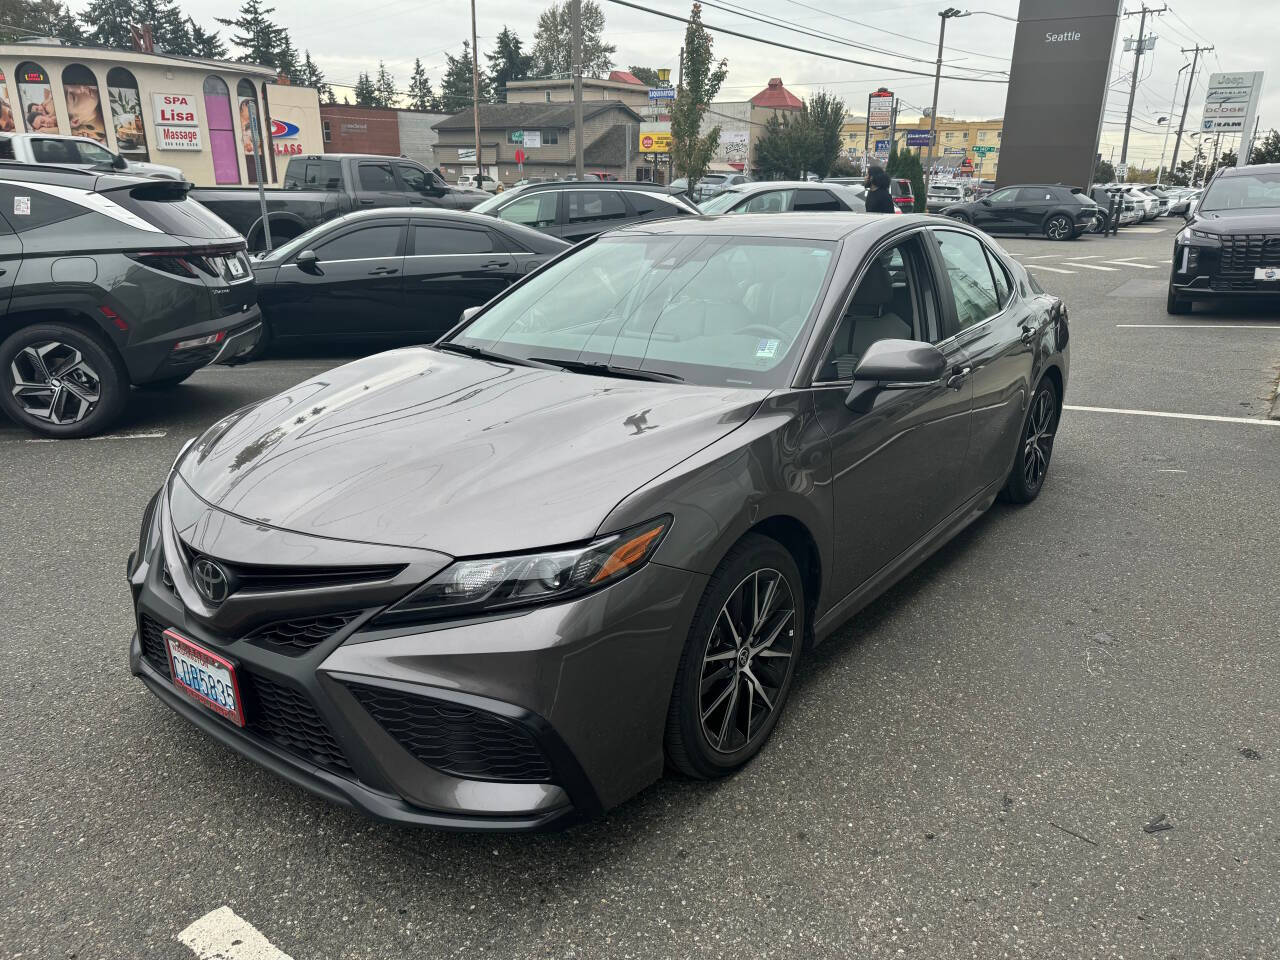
1248 191
711 310
721 201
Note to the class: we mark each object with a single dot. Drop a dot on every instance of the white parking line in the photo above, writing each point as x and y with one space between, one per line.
1042 256
1174 416
1040 266
221 935
1127 263
1093 266
1201 326
1092 256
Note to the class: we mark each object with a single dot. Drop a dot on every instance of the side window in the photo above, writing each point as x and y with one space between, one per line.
92 153
644 204
535 210
432 239
41 209
414 178
1007 195
969 275
377 176
45 150
883 308
590 205
367 243
1003 284
815 201
771 201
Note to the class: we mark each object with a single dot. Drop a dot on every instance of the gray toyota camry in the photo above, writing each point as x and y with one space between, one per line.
503 581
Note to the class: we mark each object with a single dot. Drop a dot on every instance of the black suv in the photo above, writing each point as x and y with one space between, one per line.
107 281
575 210
1231 244
1049 209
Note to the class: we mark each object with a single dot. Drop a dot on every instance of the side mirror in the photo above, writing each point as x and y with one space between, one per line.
119 163
468 313
308 262
894 365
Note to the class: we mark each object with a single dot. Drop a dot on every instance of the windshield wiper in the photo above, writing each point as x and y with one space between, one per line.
609 370
480 353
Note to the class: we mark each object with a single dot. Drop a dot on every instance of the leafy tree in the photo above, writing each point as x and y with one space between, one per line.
205 43
46 18
507 62
1266 150
646 75
844 167
784 149
257 36
905 164
366 93
384 88
108 23
455 88
702 76
553 40
310 75
421 96
825 115
1105 173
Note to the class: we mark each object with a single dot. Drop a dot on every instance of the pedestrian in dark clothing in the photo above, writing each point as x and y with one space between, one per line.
878 198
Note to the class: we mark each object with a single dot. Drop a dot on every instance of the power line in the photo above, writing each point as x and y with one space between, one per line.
870 26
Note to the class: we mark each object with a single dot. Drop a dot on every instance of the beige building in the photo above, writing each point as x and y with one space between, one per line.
975 141
187 112
560 90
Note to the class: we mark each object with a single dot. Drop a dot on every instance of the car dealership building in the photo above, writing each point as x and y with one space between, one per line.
192 113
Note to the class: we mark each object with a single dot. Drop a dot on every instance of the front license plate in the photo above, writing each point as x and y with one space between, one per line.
1266 273
205 677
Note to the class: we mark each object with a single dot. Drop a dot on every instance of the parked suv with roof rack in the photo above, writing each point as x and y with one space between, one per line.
107 281
575 210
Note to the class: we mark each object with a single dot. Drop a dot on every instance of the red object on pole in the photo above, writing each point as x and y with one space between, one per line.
519 156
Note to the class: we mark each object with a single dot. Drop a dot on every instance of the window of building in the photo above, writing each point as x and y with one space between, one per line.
982 134
324 125
965 136
126 114
36 96
949 135
222 131
550 137
84 102
546 95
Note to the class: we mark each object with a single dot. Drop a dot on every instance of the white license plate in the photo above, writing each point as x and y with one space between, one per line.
237 269
1266 273
205 677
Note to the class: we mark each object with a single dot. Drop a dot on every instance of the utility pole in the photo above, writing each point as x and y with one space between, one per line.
475 95
1168 121
1191 80
1137 61
579 151
944 16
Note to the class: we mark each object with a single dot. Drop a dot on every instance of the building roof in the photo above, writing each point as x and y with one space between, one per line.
55 48
776 96
505 116
626 76
610 148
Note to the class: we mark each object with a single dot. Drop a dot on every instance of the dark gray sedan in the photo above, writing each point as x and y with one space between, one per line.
501 582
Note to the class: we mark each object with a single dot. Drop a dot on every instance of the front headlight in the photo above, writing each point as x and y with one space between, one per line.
1188 234
474 586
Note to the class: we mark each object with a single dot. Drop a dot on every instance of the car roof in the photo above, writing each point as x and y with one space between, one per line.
1251 168
795 226
595 185
452 216
757 186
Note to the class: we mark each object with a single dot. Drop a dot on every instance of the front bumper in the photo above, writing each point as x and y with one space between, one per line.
572 696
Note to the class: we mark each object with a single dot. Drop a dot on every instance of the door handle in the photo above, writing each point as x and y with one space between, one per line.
495 264
366 203
383 271
958 376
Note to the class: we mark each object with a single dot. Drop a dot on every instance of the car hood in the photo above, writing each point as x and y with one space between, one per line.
420 448
1231 222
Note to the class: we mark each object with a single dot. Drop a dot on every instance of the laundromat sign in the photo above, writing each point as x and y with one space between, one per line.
283 130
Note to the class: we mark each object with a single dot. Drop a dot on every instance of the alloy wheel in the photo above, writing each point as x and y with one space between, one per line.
53 382
1038 443
1058 228
745 664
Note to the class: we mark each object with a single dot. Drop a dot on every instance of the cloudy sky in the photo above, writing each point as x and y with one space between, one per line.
346 38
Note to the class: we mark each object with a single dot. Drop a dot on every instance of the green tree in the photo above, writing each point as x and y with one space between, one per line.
905 164
205 43
455 88
702 76
168 27
257 35
646 75
785 148
286 60
310 75
384 87
824 113
553 40
366 93
1266 150
108 23
507 62
421 96
1105 173
47 18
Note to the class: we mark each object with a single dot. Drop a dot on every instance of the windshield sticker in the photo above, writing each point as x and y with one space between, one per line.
766 349
22 206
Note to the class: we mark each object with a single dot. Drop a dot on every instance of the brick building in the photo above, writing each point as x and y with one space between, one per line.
381 130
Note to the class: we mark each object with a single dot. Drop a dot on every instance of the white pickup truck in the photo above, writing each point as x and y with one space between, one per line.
77 152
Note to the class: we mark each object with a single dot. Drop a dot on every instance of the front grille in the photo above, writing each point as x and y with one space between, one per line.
152 635
295 637
455 739
1241 255
259 577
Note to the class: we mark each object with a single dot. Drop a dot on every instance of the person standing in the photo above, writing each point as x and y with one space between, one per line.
879 199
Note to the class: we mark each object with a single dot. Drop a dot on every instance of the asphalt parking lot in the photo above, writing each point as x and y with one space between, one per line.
1058 738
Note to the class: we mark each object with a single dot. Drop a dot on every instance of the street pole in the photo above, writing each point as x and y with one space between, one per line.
1169 120
579 150
260 165
475 94
866 134
1182 123
1133 84
943 16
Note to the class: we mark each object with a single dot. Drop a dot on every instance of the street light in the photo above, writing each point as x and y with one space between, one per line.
1165 120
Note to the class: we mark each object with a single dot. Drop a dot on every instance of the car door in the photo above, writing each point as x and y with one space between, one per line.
996 329
588 212
897 461
10 252
451 266
355 287
417 186
996 212
376 185
1031 209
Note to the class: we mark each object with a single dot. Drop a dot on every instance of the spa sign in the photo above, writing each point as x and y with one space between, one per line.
175 110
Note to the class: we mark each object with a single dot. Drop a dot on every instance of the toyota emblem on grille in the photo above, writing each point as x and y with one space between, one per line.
211 580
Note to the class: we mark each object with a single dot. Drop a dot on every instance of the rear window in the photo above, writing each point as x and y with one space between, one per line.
313 174
6 149
165 204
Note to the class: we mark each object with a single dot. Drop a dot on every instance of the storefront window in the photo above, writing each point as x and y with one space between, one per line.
6 107
126 114
222 131
84 103
36 96
249 114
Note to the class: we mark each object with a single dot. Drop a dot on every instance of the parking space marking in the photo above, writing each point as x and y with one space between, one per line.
1127 263
1039 256
1200 326
221 935
1041 266
1174 416
1091 256
1093 266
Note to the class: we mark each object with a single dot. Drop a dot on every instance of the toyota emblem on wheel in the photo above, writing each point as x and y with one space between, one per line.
211 580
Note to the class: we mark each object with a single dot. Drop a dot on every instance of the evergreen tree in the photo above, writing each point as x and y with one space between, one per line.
205 43
48 18
1267 149
256 34
310 75
286 60
421 96
455 88
783 150
168 28
646 75
366 93
507 62
108 23
691 150
825 114
384 88
553 41
905 164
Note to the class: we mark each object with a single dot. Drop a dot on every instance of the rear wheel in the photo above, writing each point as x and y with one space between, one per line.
1177 305
963 218
1035 446
739 660
61 381
1058 227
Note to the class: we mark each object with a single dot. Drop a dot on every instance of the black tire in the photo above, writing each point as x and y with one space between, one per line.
165 383
101 383
1176 305
1059 227
963 218
1035 442
766 677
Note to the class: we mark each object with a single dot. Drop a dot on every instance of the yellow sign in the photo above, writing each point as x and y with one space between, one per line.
664 74
655 142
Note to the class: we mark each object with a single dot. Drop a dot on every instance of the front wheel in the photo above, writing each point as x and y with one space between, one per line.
1035 446
739 660
1059 228
61 381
